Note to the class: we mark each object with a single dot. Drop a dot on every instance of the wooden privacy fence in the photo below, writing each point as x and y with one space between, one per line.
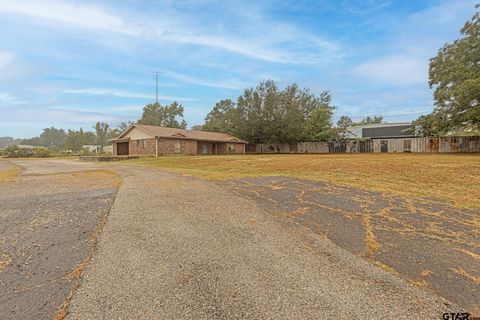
434 145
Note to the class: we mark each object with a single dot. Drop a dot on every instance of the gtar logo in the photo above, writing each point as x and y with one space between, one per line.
456 316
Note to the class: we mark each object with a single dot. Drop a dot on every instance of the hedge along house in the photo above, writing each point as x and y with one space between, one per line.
141 139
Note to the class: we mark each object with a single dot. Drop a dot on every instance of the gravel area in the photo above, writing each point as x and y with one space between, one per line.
49 219
30 166
4 165
177 247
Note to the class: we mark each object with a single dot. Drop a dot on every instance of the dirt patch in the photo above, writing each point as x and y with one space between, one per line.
48 231
428 242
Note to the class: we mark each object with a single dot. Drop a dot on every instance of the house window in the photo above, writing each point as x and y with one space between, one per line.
177 147
205 148
142 144
231 147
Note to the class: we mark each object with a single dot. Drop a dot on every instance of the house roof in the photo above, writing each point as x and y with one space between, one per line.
176 133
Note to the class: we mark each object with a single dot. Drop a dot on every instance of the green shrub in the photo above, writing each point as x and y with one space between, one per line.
14 151
41 152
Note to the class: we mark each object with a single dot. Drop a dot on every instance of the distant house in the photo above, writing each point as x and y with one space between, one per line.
108 149
26 147
141 139
92 148
382 131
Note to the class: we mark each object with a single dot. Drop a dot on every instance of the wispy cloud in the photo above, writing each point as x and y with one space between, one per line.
70 13
183 29
395 69
9 99
363 7
121 94
224 84
404 59
59 114
6 59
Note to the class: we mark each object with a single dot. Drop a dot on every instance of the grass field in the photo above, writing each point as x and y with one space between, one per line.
452 177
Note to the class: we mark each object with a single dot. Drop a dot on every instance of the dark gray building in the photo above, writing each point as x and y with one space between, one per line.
382 131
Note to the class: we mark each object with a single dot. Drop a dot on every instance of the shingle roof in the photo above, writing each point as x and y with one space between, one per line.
165 132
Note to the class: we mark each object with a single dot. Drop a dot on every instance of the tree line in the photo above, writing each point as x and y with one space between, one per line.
268 114
73 139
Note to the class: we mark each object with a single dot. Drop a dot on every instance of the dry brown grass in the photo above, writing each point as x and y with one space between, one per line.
471 254
467 275
9 173
452 177
97 178
370 239
79 269
422 283
385 267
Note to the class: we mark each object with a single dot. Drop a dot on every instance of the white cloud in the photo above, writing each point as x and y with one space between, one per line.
395 69
274 44
9 99
444 14
50 115
120 94
225 84
363 7
80 15
6 59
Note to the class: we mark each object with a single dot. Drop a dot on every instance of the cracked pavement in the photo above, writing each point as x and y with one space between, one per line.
429 243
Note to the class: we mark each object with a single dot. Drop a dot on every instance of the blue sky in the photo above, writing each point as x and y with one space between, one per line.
71 63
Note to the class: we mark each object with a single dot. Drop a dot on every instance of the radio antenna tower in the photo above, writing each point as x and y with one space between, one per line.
156 84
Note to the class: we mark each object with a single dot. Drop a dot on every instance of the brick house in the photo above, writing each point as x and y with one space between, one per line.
141 139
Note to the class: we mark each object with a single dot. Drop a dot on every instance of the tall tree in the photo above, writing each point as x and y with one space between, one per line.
370 120
220 119
50 137
198 127
76 139
455 75
319 126
124 125
166 116
101 130
266 114
343 125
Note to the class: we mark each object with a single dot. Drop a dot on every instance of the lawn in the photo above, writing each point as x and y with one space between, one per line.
452 177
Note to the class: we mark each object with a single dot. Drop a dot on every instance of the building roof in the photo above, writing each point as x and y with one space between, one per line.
176 133
383 125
